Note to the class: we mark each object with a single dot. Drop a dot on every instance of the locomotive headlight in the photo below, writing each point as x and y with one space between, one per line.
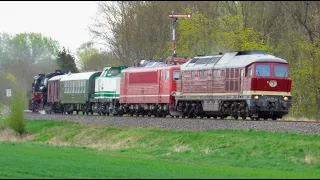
286 98
256 97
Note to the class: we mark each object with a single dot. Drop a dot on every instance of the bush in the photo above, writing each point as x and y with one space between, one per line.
16 120
2 125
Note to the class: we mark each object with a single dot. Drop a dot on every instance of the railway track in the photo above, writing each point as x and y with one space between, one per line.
301 127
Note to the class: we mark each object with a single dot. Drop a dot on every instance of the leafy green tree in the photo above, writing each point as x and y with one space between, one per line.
91 58
25 55
66 62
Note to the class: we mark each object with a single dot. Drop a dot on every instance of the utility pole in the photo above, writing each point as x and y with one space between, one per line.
174 19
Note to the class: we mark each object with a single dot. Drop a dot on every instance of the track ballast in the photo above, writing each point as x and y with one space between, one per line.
301 127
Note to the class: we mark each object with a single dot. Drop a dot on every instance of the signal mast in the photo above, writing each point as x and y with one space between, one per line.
174 19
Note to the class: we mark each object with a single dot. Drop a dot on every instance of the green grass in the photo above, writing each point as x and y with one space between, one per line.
42 161
120 152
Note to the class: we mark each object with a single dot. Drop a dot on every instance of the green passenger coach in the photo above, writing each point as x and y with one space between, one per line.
76 91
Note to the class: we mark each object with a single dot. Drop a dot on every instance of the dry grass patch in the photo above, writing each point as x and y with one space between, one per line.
288 118
9 136
182 148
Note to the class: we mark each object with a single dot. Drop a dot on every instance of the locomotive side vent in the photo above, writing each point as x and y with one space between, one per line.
251 52
236 86
232 72
227 86
227 73
231 85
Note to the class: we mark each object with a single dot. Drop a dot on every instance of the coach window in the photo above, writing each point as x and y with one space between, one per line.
176 75
192 74
77 87
67 87
166 75
84 86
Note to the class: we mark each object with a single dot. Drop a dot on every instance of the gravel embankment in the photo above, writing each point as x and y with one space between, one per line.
184 124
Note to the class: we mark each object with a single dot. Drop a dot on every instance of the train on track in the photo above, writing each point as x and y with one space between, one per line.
246 84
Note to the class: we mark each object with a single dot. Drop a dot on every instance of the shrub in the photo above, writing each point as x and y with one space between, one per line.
16 120
2 125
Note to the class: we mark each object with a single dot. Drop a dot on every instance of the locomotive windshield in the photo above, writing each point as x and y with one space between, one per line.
263 70
113 71
280 71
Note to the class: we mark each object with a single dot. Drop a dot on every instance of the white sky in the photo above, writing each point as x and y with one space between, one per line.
64 21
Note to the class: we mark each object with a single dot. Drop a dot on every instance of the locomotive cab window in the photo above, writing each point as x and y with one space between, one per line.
176 75
113 71
249 72
280 71
263 70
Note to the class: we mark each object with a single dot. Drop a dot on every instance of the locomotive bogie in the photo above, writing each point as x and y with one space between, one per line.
269 106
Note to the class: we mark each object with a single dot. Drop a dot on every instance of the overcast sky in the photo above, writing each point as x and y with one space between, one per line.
65 21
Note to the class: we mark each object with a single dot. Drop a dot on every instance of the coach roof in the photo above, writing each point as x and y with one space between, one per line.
54 78
230 60
78 76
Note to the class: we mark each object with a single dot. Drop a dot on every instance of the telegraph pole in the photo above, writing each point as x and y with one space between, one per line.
174 19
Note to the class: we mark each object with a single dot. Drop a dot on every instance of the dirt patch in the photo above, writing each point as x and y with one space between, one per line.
9 135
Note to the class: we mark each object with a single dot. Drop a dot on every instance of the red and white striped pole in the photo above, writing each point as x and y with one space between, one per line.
174 18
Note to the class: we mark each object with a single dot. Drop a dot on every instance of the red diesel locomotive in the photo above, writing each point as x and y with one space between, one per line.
238 84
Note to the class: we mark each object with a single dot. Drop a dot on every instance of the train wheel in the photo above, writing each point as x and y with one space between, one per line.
77 112
215 117
91 112
244 117
274 118
104 113
83 112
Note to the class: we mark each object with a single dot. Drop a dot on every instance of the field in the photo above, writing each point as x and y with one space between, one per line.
69 150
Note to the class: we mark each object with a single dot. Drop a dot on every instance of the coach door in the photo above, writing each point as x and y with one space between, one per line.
242 79
209 76
160 80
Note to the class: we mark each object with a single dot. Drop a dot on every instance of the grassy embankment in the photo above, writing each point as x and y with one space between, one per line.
83 151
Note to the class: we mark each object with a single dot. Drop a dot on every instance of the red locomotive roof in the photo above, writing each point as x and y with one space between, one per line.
146 69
